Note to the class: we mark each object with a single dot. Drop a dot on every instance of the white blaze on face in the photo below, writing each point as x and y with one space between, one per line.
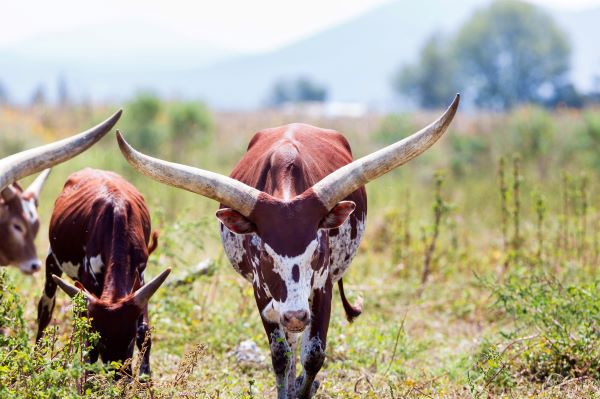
298 292
30 211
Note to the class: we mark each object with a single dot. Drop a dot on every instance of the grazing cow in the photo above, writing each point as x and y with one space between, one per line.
292 216
19 221
99 236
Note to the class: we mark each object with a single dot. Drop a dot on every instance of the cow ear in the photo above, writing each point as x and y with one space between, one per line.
338 215
235 221
9 193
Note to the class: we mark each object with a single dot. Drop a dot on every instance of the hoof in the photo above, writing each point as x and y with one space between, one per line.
300 388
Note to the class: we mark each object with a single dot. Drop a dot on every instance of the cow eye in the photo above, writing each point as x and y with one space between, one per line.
18 227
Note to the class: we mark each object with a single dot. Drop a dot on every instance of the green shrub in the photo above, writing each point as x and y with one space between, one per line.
556 333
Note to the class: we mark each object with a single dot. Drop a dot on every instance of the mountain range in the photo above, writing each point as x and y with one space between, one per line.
355 60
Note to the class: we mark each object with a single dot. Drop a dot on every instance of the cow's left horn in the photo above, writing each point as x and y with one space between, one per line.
223 189
341 183
22 164
71 290
142 296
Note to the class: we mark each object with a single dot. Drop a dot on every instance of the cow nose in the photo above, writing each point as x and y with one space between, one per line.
35 266
295 320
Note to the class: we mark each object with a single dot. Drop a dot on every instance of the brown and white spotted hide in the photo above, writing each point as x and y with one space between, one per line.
99 237
19 225
291 247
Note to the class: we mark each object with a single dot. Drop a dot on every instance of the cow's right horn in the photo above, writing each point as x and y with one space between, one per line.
223 189
22 164
142 296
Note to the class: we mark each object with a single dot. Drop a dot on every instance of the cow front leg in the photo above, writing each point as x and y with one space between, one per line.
48 299
292 339
314 342
280 356
143 331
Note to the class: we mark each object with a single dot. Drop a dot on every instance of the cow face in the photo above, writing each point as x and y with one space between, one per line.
289 254
19 225
117 325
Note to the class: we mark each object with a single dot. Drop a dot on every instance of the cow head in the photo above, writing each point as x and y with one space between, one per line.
19 225
293 256
116 321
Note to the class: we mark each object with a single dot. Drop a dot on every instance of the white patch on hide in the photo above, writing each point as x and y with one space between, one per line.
96 264
343 247
70 269
233 244
47 303
297 292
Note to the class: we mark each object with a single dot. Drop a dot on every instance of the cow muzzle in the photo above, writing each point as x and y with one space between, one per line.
30 266
295 321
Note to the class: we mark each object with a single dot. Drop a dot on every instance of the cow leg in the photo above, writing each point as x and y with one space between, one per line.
143 329
314 341
48 299
280 357
292 340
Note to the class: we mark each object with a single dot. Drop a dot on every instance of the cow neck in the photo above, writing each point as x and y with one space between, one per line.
118 280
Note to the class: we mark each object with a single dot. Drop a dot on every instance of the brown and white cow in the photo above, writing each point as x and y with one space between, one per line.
19 221
293 214
100 237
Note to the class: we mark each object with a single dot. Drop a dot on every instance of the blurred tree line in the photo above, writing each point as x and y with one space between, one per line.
506 54
158 127
297 90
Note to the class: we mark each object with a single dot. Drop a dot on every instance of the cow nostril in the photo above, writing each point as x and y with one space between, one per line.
303 316
35 266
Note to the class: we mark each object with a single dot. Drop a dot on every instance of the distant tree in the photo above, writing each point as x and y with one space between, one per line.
512 52
299 90
140 121
4 98
188 120
432 80
62 91
308 90
39 95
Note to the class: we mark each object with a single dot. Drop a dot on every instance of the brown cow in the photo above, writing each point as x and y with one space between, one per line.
19 221
293 214
99 236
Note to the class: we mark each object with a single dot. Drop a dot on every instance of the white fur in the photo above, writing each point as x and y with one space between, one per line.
297 292
29 210
343 246
70 269
96 264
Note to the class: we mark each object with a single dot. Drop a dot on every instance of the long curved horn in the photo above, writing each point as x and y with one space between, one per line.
22 164
36 186
339 184
143 295
71 290
223 189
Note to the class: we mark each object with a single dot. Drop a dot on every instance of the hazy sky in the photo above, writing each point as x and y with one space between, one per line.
257 25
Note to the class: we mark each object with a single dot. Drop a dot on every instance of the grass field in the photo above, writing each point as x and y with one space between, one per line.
508 305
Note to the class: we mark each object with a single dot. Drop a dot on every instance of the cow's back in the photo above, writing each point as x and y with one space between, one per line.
98 213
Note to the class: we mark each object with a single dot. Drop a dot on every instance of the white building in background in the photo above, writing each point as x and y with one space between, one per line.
333 109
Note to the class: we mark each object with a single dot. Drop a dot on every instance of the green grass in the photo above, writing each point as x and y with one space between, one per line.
482 326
